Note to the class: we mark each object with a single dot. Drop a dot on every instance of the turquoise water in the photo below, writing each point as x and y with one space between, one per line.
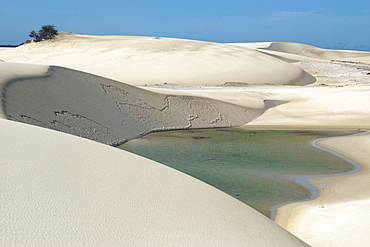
253 166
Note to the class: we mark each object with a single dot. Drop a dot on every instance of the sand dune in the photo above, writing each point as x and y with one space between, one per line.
315 52
319 108
314 107
92 194
293 52
337 101
105 110
69 191
146 60
105 186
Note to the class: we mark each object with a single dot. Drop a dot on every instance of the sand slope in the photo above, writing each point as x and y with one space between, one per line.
105 110
335 101
69 191
112 112
323 107
317 108
147 60
293 52
340 216
314 52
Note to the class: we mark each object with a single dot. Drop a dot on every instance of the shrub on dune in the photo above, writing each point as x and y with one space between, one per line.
46 32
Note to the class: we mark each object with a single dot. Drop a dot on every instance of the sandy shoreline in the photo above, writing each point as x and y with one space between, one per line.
336 216
87 86
306 180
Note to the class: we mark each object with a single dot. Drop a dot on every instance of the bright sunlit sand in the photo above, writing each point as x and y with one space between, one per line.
64 190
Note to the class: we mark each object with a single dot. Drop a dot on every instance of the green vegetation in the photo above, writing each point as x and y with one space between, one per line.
46 32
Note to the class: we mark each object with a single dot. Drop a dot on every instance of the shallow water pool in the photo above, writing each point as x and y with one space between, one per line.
255 167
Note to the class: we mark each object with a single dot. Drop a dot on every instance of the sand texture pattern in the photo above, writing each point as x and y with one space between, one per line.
104 110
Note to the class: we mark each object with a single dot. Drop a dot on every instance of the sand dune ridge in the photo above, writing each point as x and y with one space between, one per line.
108 111
83 190
147 60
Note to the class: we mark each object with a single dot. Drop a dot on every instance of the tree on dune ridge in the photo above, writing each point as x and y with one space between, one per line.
46 32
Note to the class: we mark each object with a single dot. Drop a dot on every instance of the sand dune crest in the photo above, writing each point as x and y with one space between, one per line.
105 110
293 52
146 60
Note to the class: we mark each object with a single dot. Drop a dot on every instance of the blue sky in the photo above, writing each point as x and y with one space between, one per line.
329 24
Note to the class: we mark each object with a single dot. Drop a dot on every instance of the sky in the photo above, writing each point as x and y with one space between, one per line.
326 23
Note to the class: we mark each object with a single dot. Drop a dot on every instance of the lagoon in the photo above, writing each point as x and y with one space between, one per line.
260 168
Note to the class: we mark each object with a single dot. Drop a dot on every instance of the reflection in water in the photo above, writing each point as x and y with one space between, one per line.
252 166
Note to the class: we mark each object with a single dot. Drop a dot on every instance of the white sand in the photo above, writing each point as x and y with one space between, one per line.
146 60
341 214
61 190
308 107
337 101
111 112
105 110
300 52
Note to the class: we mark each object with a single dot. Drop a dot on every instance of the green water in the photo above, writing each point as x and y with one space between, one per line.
255 167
